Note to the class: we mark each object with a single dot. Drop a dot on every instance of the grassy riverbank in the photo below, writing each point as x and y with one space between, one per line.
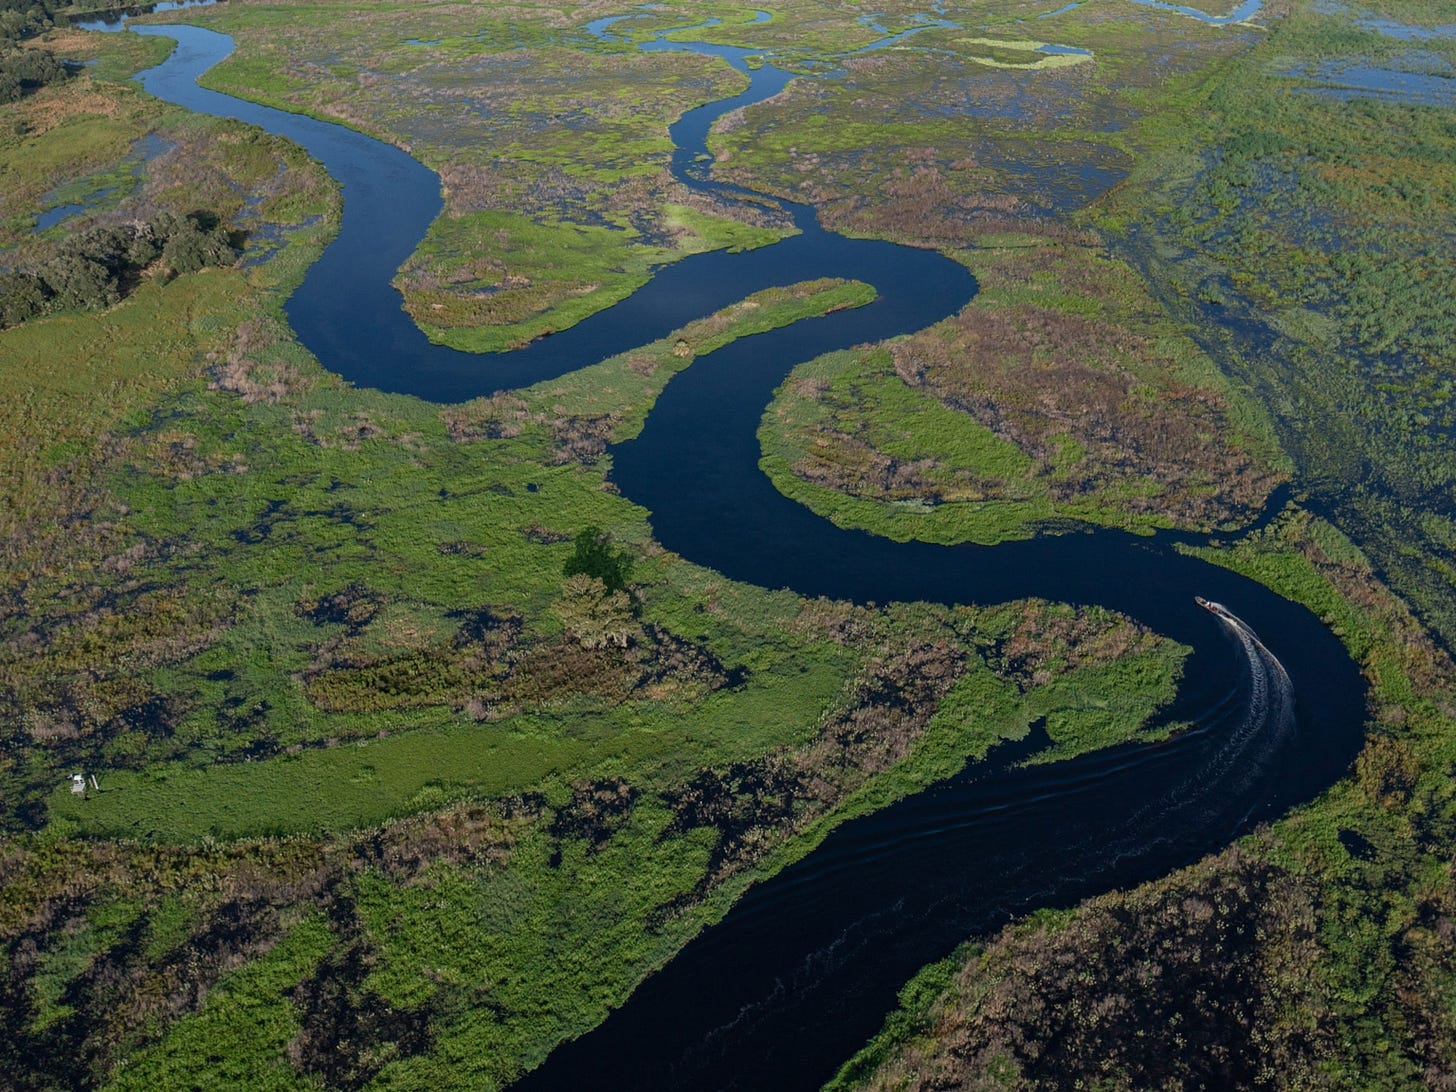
552 150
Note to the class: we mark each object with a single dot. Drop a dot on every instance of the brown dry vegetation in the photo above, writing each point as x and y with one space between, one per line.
577 438
250 370
1185 983
840 460
1049 639
751 807
80 584
1036 376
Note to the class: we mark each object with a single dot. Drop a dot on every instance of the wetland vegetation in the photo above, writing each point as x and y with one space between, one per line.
1060 394
416 752
1309 256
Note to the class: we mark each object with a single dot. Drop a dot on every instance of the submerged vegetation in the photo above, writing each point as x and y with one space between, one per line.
416 752
1308 252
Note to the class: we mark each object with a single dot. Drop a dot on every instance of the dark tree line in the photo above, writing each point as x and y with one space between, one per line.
97 267
21 19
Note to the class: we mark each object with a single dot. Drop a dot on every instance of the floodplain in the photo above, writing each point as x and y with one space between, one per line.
387 798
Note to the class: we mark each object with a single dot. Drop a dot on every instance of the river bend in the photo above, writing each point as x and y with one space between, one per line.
803 969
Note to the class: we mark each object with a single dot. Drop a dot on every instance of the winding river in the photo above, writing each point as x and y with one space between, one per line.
804 967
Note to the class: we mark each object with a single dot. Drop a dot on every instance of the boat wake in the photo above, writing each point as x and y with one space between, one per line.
1247 734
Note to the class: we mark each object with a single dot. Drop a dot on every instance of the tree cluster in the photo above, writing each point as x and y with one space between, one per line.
21 19
95 268
1199 981
25 70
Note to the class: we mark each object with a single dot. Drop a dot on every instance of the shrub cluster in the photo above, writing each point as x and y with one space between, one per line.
95 268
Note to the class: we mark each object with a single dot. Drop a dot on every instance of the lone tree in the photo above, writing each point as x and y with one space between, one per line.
595 557
594 616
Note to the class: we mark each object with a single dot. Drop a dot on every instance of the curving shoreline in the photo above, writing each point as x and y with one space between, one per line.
819 950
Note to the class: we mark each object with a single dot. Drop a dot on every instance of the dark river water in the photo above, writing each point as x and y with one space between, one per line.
805 966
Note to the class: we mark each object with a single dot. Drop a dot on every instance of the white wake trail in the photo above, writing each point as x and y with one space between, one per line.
1244 753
